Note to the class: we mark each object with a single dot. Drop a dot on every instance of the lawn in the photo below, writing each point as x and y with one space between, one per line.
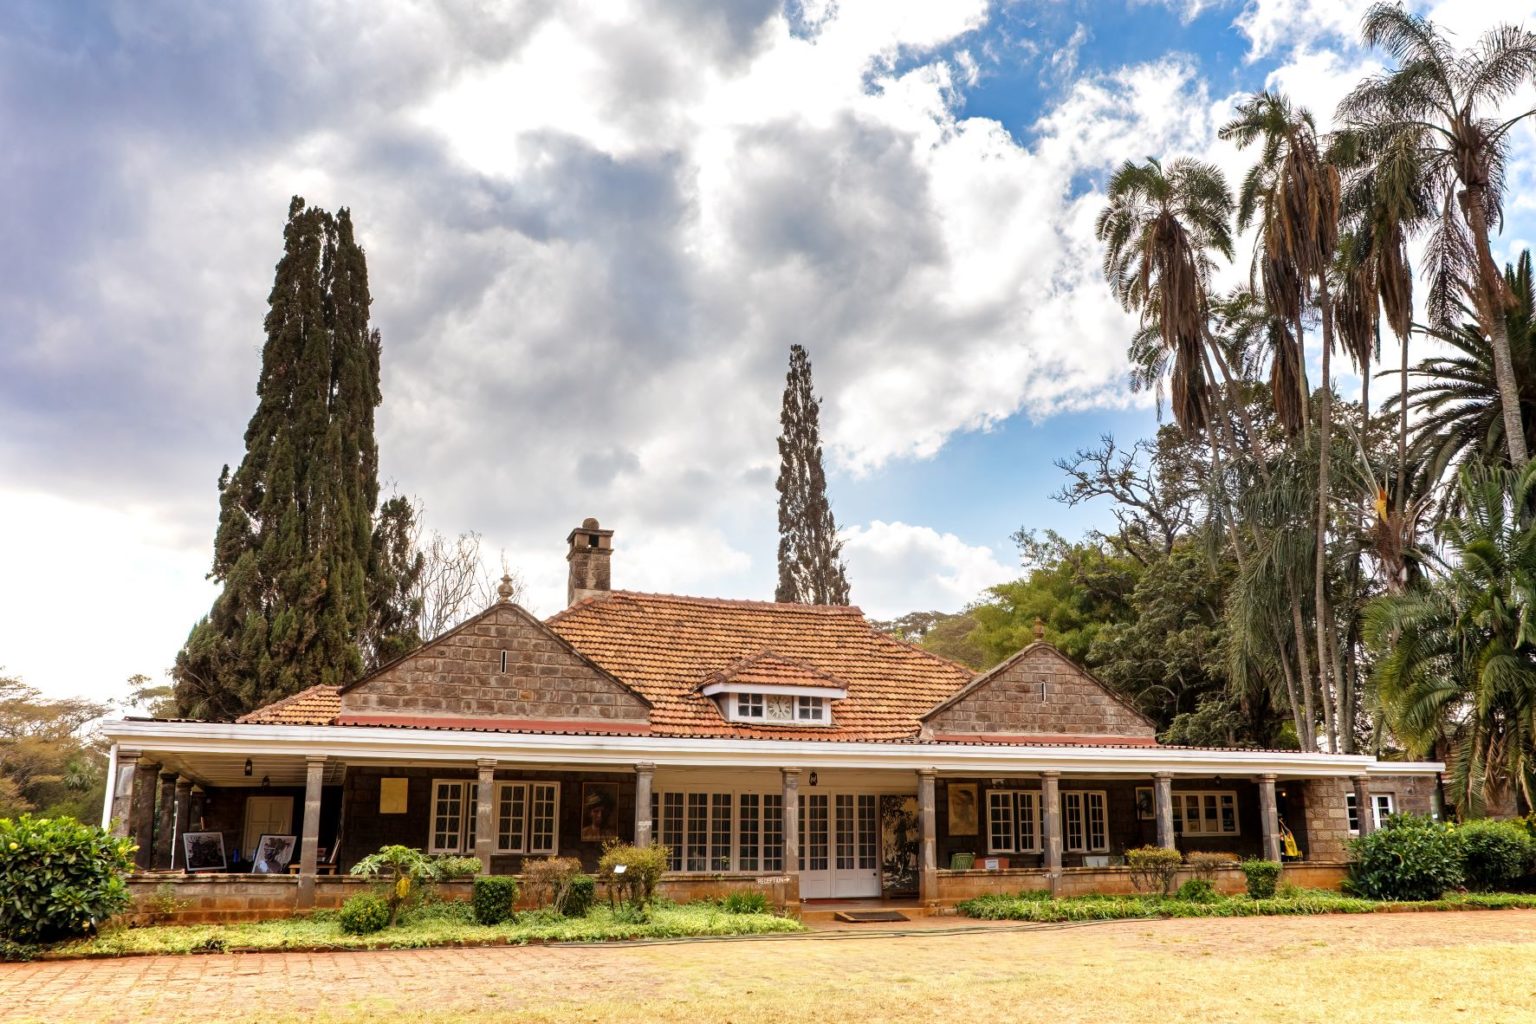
439 925
1040 908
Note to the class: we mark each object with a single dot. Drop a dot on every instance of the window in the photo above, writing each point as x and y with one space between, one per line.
775 708
698 829
527 817
1205 814
749 705
810 709
1383 806
1085 821
453 816
1013 821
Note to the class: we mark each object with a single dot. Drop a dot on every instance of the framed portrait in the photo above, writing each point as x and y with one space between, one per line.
964 819
599 811
273 854
1146 807
204 850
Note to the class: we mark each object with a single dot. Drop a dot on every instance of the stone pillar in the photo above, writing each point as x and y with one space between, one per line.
1269 818
1050 824
165 821
121 811
183 815
309 841
792 838
645 775
485 813
1162 799
1365 813
928 839
142 813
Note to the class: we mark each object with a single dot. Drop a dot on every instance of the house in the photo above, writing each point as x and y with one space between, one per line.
786 746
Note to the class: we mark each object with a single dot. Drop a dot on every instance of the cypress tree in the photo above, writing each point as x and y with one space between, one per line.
296 519
811 569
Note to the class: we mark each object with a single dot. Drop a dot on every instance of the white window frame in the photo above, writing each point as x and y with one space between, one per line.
1182 821
749 706
522 837
1383 806
1085 800
469 793
1016 805
811 710
721 826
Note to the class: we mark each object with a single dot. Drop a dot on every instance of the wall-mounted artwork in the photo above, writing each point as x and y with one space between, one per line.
1146 807
205 850
963 817
392 795
898 845
599 811
273 854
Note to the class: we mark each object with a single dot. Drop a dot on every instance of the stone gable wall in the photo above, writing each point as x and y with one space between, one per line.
461 676
1010 703
1327 810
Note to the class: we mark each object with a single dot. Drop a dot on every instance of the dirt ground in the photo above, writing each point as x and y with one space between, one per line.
1399 968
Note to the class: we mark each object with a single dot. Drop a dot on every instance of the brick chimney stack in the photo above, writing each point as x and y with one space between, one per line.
590 551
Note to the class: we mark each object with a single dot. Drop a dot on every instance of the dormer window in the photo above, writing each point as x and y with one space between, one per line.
749 705
811 709
766 689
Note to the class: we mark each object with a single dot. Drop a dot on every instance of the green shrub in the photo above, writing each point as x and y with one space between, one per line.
493 898
745 901
1198 890
547 879
1205 863
1262 876
630 873
59 878
1494 853
411 874
631 913
1409 858
364 914
579 896
1153 868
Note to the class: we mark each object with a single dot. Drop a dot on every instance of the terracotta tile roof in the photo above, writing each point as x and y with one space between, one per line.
765 668
666 646
318 705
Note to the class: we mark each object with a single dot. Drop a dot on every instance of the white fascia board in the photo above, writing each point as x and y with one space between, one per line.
834 692
368 743
1388 768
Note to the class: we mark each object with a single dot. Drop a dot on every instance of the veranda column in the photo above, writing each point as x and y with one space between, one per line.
183 815
122 793
1162 796
1050 820
645 774
309 842
485 813
142 814
928 838
165 820
1365 814
792 834
1269 818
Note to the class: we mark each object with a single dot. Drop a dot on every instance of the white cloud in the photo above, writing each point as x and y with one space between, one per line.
897 567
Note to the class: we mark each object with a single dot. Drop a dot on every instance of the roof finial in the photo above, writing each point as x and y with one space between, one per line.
505 590
1039 629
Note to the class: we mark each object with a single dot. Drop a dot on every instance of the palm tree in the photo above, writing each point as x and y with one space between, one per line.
1439 104
1457 659
1457 406
1296 195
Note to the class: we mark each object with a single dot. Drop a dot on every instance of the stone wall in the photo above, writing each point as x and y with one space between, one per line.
1040 692
957 886
1326 812
461 676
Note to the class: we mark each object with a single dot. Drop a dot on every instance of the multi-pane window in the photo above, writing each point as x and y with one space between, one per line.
1205 814
1013 821
773 832
813 832
453 817
696 828
869 832
811 709
1381 804
1085 821
749 705
526 817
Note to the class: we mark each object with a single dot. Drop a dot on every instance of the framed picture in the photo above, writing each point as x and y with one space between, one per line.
599 811
273 854
1146 807
393 795
204 850
963 817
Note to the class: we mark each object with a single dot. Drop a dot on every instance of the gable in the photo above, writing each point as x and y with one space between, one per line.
459 676
1038 692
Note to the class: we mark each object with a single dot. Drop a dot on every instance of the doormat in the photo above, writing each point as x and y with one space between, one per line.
869 916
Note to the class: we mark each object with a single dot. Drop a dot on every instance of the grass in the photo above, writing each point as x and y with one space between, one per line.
1040 908
444 924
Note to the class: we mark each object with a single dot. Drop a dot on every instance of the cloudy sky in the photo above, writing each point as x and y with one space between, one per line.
593 230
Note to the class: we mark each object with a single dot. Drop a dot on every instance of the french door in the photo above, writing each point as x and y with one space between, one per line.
839 845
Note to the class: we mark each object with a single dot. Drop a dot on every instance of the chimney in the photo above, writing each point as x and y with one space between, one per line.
590 550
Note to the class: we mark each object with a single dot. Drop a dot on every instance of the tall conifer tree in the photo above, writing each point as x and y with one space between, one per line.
811 569
295 541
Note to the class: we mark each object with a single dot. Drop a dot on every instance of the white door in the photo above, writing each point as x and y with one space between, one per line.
264 815
839 846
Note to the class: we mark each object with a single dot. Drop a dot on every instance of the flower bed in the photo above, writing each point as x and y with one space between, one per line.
1039 907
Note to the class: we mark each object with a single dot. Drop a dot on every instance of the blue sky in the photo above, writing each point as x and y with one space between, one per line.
594 229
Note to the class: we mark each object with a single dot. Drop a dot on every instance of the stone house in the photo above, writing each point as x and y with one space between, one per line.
789 747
